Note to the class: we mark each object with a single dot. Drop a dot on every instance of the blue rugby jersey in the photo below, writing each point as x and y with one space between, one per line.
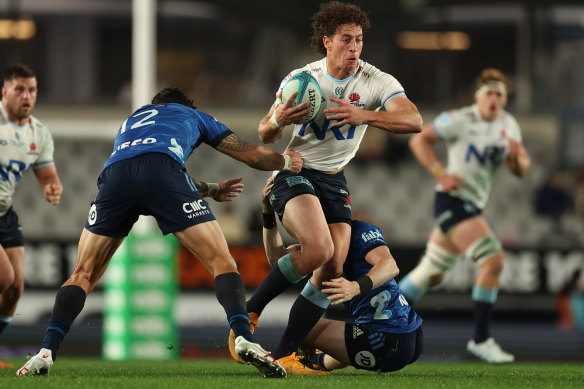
172 129
384 308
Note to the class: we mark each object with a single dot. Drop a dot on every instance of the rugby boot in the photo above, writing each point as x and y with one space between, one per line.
39 364
255 355
489 351
293 366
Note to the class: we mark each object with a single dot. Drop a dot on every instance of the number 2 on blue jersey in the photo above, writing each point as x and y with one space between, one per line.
142 122
380 302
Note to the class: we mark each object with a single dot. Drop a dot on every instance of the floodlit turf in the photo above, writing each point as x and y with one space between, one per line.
96 373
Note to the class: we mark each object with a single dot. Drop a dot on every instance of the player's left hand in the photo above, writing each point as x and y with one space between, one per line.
346 112
340 290
53 193
229 189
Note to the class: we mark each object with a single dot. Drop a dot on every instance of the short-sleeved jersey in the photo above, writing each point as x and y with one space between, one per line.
476 149
20 149
384 308
172 129
327 148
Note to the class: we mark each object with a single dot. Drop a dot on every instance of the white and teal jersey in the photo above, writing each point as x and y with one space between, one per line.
327 148
476 149
20 149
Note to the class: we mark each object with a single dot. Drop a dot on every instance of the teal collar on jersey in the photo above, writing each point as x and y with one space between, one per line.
346 79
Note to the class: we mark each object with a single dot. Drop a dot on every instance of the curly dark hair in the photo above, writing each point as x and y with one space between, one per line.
18 71
330 16
173 95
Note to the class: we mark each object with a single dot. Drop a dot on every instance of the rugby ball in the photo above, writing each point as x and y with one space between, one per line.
308 90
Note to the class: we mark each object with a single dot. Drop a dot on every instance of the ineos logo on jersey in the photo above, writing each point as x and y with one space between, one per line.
92 217
365 359
135 142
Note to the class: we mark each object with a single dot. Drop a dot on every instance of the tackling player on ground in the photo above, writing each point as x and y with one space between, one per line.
314 205
25 143
478 138
145 175
387 333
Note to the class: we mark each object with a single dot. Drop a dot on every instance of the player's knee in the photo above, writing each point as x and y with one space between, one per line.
6 280
485 249
494 265
314 256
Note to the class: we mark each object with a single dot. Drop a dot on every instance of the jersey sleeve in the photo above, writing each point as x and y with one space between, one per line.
367 238
444 125
212 130
514 131
46 150
390 88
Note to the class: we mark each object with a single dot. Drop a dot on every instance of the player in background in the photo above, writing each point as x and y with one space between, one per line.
145 175
478 139
25 143
314 205
387 333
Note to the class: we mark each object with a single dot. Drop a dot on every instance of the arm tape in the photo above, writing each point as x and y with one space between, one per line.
269 220
365 284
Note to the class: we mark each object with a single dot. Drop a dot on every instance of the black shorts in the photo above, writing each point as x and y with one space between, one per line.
370 349
10 231
331 190
149 184
450 210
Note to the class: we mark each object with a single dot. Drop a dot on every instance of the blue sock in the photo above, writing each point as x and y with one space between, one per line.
319 360
230 293
69 302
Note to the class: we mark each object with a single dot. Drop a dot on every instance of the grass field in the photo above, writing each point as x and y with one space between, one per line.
96 373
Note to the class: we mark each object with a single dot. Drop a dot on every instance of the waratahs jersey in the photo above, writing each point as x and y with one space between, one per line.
172 129
476 149
20 149
384 308
327 148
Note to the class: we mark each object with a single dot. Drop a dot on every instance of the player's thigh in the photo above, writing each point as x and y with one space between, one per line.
16 258
439 238
94 253
207 242
6 270
329 336
468 231
304 220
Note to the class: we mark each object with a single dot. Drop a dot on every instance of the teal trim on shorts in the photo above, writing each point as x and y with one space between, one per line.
484 295
315 296
5 319
287 268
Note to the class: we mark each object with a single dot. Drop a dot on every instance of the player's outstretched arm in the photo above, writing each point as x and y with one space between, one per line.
260 157
384 269
421 145
401 116
223 191
49 180
518 160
